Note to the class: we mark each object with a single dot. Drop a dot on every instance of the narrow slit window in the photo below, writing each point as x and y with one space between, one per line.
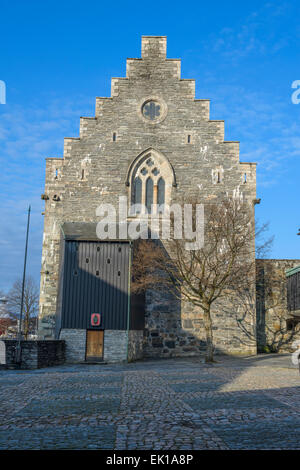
245 177
161 193
56 173
149 194
219 178
114 136
189 139
97 273
82 174
137 191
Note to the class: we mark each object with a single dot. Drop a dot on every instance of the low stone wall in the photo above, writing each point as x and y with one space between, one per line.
35 354
51 353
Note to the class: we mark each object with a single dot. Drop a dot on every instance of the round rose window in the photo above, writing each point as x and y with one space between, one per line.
151 110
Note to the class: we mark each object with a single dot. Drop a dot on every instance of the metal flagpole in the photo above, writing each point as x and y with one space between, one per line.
18 350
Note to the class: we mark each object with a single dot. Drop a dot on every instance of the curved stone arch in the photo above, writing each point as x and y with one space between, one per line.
150 166
142 157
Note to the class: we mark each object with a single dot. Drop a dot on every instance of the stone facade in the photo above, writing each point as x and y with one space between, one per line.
273 331
98 167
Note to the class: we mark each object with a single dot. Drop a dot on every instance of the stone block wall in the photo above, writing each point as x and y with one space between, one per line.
174 329
35 354
75 344
135 345
164 335
50 353
273 334
115 345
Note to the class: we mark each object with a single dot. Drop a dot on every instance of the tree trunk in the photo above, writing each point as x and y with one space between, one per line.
209 356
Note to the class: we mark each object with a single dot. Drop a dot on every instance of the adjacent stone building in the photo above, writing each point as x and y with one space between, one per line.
150 142
278 323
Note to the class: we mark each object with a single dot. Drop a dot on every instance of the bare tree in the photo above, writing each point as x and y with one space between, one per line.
30 305
225 263
5 317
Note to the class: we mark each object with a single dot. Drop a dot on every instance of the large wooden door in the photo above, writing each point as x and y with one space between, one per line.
94 345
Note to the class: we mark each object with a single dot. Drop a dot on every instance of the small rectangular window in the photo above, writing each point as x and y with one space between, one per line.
114 136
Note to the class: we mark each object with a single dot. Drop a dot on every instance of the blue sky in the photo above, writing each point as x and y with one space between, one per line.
56 57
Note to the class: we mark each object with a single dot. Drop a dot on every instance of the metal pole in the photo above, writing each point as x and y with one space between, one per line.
128 300
18 351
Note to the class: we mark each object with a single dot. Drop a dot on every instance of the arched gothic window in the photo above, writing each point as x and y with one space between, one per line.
150 181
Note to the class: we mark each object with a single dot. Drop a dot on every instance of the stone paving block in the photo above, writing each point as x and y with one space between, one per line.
233 400
69 407
52 438
194 387
143 406
97 380
13 381
86 391
262 435
191 377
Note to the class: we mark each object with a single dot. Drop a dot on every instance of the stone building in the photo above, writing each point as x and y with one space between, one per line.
278 321
151 142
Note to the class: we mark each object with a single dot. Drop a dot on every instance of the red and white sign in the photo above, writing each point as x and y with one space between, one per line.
95 319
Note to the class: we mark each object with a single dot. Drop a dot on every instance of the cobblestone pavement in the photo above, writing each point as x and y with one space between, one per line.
249 403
